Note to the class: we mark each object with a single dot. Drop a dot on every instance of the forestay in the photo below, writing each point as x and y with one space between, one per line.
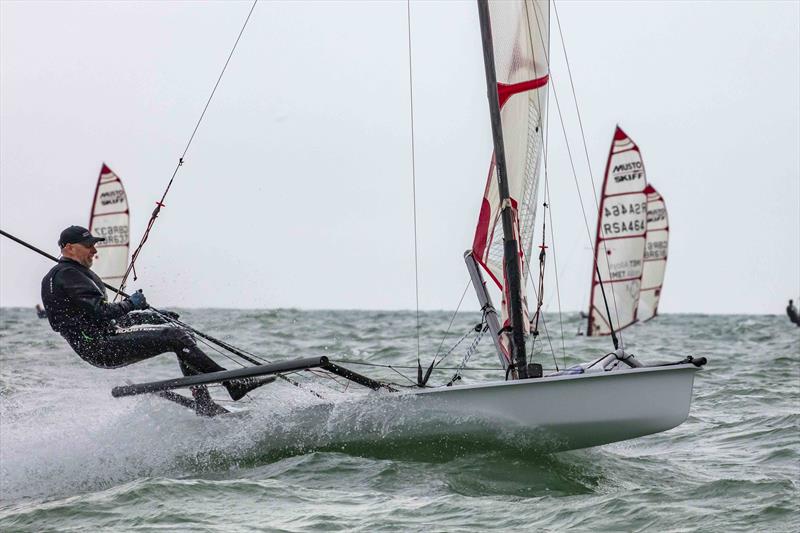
521 31
620 240
655 254
110 219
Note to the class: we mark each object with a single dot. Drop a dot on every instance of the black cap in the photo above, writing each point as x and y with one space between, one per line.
77 235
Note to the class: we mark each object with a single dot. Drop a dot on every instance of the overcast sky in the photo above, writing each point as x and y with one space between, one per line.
297 190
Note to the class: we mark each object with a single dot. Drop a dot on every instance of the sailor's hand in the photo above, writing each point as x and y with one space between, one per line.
138 300
171 314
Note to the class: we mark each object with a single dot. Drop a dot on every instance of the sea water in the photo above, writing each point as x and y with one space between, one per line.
72 458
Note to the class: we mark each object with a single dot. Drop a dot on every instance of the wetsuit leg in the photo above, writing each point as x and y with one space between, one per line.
128 347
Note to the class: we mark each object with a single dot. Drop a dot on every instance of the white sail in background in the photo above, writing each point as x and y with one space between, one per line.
655 255
521 31
620 241
110 219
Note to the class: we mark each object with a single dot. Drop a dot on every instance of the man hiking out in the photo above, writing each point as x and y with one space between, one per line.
108 335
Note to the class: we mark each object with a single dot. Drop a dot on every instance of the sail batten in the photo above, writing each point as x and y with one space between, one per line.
110 219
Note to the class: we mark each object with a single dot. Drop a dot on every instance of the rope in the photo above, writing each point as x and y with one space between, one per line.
241 352
160 203
589 166
569 150
555 272
549 214
413 173
452 349
452 319
470 350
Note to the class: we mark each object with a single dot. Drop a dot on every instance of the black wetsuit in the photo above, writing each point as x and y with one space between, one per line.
105 334
792 312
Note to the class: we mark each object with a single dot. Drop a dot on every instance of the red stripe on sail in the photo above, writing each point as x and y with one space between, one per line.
489 271
506 91
482 231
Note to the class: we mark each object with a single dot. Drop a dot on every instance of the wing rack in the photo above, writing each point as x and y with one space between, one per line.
248 372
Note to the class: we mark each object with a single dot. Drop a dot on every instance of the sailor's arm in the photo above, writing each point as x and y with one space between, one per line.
87 296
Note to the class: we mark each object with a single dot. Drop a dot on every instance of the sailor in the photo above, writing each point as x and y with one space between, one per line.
791 310
112 335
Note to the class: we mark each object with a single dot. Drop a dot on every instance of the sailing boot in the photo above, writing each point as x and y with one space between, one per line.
238 388
203 404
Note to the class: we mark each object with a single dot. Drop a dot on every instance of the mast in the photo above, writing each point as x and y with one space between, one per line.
511 246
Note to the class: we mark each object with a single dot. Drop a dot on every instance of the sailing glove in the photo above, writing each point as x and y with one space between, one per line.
138 300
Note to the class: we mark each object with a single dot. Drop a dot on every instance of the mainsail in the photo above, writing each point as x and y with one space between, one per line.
110 219
655 254
620 242
520 53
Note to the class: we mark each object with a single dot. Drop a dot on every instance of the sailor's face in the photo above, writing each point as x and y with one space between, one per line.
84 253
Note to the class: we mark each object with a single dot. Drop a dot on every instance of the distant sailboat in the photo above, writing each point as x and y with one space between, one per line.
631 263
655 255
620 240
110 218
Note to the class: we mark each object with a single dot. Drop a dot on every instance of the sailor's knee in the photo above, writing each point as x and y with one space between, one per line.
179 337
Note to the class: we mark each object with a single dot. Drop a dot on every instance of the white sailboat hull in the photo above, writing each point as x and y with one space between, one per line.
559 413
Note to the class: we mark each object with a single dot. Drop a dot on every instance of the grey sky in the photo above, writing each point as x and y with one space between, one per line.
297 189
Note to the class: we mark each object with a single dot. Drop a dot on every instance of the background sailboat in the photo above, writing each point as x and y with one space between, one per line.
655 255
631 264
110 218
620 239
